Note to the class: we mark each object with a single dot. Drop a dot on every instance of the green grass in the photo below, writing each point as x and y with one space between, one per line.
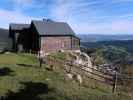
24 80
59 55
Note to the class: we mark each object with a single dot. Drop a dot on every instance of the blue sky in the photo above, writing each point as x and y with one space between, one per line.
84 16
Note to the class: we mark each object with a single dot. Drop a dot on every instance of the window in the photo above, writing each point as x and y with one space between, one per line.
75 43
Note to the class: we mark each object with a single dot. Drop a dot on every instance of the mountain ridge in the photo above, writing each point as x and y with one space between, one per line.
103 37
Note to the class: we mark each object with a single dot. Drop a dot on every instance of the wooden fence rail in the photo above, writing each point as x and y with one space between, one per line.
95 74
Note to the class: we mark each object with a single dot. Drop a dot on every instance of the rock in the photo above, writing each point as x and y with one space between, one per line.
61 50
70 76
7 52
47 79
50 68
78 78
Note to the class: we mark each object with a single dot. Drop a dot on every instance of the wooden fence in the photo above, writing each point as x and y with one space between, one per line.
93 73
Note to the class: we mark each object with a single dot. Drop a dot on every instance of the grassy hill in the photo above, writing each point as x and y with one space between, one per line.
21 78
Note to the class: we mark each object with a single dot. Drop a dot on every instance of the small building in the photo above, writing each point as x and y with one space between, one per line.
19 33
45 35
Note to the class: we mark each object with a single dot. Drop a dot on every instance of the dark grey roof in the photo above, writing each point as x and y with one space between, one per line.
53 28
14 26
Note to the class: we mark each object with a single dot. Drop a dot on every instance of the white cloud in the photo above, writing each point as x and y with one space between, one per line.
78 13
7 17
66 9
22 1
83 19
122 1
114 27
122 26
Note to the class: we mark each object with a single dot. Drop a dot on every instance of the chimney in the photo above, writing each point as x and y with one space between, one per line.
44 19
47 20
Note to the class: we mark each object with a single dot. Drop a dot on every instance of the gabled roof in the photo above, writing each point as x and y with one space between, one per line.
53 28
14 26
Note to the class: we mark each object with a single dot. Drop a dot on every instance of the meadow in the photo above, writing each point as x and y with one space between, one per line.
21 78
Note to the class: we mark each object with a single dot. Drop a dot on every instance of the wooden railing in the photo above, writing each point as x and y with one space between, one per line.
93 73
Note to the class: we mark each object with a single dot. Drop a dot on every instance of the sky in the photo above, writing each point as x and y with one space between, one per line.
84 16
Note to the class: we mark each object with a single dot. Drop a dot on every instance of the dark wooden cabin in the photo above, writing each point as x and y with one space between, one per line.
20 35
45 35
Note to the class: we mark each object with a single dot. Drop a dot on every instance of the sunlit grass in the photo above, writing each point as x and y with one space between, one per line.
25 68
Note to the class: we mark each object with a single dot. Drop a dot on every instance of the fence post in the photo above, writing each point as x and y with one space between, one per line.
115 78
70 67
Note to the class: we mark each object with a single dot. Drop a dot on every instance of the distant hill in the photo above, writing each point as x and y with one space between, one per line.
95 41
4 40
3 33
128 44
95 37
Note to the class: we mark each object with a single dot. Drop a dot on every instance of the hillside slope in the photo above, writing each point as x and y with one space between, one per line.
21 78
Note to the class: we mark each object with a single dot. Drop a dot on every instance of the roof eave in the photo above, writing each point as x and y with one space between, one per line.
58 35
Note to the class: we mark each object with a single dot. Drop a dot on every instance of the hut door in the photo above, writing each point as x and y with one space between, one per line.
20 47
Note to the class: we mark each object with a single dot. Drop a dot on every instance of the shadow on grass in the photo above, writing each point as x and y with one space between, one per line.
26 65
5 71
31 91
